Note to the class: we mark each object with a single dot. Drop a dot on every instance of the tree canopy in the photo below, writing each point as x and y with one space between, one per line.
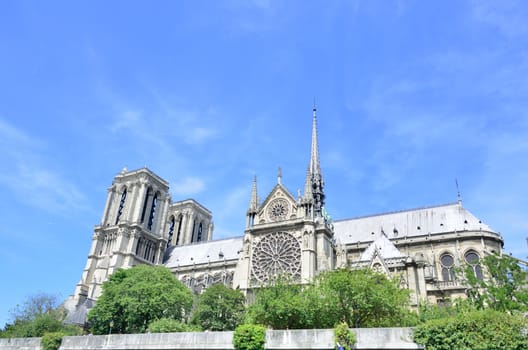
132 298
38 314
281 305
361 298
503 289
219 308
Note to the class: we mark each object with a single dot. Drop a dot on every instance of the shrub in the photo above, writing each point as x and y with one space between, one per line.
51 341
487 329
344 337
168 325
249 337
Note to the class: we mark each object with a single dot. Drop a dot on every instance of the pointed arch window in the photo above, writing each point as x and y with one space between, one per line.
473 260
448 267
145 204
121 206
171 231
199 238
179 230
152 211
194 228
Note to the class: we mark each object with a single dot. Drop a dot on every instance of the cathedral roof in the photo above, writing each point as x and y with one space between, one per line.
383 246
408 223
202 253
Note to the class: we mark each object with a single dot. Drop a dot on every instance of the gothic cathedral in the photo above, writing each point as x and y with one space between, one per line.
285 235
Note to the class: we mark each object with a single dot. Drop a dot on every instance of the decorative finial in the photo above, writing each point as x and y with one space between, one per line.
314 106
279 176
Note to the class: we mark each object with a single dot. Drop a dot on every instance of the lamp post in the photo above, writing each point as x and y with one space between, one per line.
111 325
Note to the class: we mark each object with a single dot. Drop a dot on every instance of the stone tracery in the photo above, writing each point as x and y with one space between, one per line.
276 254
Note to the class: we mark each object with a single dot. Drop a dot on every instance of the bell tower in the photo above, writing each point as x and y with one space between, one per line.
287 236
131 231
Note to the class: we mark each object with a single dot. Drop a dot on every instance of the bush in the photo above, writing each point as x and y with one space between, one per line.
249 337
344 337
51 341
168 325
488 329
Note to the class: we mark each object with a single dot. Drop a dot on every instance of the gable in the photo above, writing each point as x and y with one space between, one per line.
279 205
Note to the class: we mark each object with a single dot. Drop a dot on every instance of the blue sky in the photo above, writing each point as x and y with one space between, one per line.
207 94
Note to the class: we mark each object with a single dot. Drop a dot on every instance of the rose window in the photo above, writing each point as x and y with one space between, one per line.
276 254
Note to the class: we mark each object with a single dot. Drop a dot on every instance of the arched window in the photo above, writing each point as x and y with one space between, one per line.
152 211
147 196
121 205
179 230
199 238
171 231
472 259
448 267
194 228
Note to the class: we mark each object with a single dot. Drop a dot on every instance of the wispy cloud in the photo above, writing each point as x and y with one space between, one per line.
28 173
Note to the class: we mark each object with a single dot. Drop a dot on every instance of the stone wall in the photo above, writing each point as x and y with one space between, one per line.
20 344
320 339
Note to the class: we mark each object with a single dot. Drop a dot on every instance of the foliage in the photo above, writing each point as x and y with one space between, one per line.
429 311
282 305
134 297
167 325
35 305
51 341
344 337
363 298
504 289
38 315
483 329
249 337
219 308
360 297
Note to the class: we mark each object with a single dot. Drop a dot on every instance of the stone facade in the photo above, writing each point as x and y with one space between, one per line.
285 234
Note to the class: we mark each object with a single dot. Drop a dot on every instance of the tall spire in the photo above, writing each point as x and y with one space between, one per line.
314 186
315 166
254 201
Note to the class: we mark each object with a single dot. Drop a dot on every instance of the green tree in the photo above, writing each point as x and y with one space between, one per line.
362 298
38 315
503 289
219 308
359 297
280 305
134 297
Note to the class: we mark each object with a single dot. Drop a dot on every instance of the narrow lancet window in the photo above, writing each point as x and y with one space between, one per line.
152 211
121 206
147 196
171 231
199 238
179 230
